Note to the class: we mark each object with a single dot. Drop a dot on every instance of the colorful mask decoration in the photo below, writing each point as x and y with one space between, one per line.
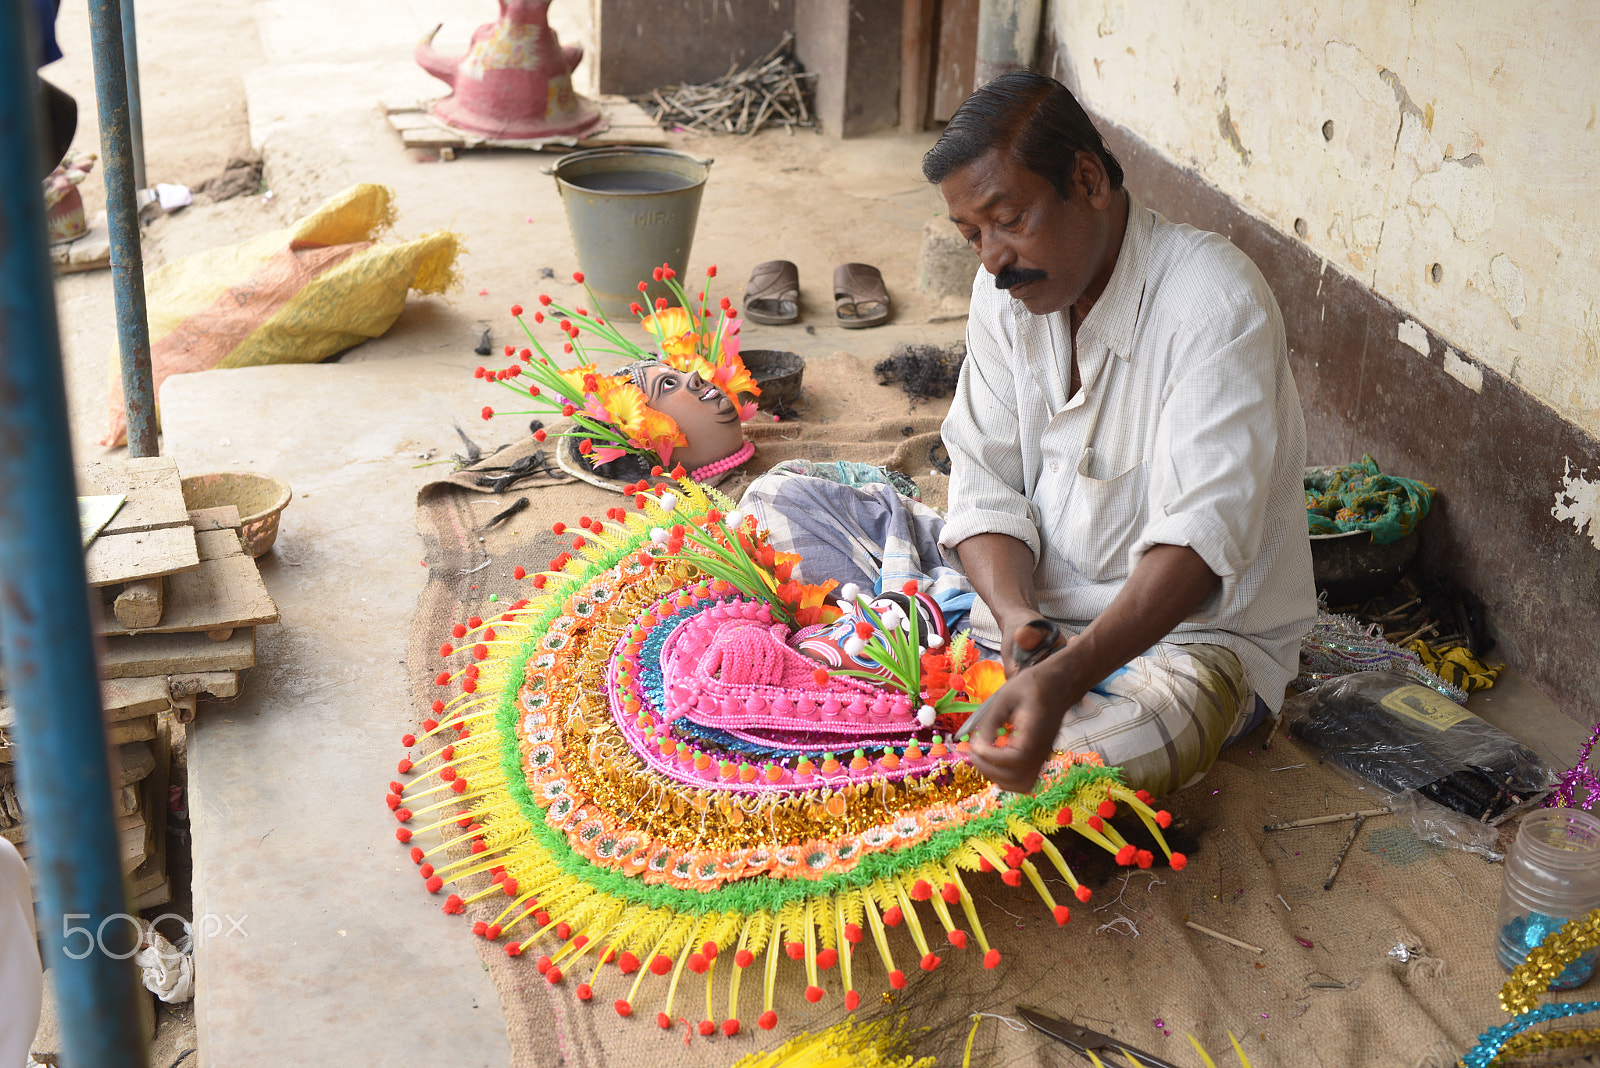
648 777
697 375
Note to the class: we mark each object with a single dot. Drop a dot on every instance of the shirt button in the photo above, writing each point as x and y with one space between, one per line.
1054 466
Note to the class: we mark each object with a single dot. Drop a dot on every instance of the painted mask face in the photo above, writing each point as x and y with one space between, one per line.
703 412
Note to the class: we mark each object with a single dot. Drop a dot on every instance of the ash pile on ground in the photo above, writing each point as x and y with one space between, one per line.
923 371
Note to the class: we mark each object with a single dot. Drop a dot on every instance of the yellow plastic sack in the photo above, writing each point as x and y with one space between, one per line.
297 295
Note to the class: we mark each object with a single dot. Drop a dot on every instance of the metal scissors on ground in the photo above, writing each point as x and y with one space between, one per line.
1082 1040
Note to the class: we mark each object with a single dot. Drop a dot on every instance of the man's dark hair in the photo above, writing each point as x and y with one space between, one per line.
1034 117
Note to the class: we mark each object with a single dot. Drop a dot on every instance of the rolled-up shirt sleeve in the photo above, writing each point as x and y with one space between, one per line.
988 492
1215 448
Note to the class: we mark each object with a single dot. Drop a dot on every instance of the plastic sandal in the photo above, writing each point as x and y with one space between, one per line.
772 295
859 296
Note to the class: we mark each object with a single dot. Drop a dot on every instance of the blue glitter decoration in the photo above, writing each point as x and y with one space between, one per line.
1492 1041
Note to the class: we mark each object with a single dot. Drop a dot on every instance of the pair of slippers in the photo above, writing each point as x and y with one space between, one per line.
860 298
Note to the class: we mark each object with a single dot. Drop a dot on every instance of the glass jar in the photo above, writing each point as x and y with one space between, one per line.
1552 876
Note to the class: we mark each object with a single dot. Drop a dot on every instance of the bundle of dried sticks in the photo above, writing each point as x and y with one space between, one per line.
772 91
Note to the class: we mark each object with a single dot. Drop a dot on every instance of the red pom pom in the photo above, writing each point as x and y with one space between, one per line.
711 272
553 975
513 949
663 1021
661 965
851 1000
910 587
991 959
459 786
698 963
577 276
433 884
863 629
1011 877
438 706
1125 855
541 917
403 815
636 308
430 724
446 649
930 962
480 928
951 893
402 833
897 979
493 932
814 994
622 1007
516 309
543 964
1083 893
408 740
1163 819
442 679
707 1027
744 958
921 890
1064 817
796 950
1106 809
892 916
1033 842
393 801
1096 824
628 963
768 1020
709 950
563 930
416 854
488 412
852 933
827 958
1178 862
1014 857
984 865
958 938
426 871
518 572
730 1027
452 905
509 886
584 991
820 676
657 274
1062 914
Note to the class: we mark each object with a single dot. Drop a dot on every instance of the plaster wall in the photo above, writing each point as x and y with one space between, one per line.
1441 153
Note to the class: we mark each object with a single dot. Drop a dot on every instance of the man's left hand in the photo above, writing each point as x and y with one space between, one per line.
1033 701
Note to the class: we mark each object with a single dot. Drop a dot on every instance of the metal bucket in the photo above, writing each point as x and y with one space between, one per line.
630 210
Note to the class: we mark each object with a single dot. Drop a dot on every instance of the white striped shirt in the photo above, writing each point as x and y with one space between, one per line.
1186 430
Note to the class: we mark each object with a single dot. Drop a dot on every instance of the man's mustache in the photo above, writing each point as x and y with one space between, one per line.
1009 276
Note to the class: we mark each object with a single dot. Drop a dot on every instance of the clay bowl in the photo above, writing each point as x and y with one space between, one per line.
259 498
777 373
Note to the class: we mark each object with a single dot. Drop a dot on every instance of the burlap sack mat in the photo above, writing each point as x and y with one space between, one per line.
1325 991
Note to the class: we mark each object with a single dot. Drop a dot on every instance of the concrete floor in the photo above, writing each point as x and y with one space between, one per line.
343 961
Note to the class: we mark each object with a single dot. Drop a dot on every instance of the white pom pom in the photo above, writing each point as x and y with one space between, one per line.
925 715
934 641
854 645
659 535
733 519
849 592
669 501
904 623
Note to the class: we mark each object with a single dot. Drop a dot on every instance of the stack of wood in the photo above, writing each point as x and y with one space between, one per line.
180 603
772 91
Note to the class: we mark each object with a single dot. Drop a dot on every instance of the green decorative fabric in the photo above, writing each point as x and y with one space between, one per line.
1358 497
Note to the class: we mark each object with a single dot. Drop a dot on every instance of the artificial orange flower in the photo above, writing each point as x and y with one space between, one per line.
660 434
983 679
809 603
573 377
625 405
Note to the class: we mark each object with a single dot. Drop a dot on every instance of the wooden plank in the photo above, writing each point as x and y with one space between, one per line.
154 490
626 124
214 683
916 63
956 56
218 544
134 655
131 698
220 595
117 558
131 730
139 604
136 761
225 517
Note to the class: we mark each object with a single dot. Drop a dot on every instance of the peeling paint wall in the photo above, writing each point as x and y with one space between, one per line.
1578 503
1445 154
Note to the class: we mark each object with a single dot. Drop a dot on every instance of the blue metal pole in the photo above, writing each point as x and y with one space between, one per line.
122 213
130 56
45 639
